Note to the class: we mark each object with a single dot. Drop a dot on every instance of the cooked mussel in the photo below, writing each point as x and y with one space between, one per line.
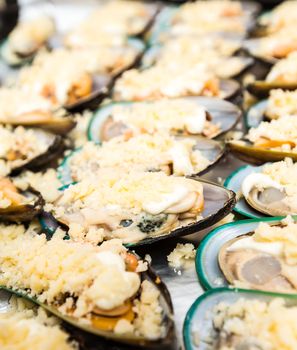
246 150
218 202
18 206
192 155
100 89
28 148
132 296
259 270
212 316
261 89
26 39
219 116
224 68
57 122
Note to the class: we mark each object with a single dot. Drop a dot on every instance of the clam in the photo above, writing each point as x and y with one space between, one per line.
200 331
102 323
218 203
102 127
19 206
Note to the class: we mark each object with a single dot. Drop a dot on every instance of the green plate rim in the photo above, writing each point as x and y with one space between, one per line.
187 322
198 259
226 184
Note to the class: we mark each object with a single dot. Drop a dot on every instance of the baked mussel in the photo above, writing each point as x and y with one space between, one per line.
26 39
225 67
215 317
252 254
202 116
17 205
269 141
19 107
283 75
172 81
133 307
27 148
178 155
192 204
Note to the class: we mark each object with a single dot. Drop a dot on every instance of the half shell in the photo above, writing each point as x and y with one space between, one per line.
246 151
167 338
218 203
200 317
221 112
261 88
210 149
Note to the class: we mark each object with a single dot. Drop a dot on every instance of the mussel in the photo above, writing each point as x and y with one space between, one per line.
219 116
28 149
247 151
187 155
224 68
261 89
26 40
17 206
133 295
208 322
218 202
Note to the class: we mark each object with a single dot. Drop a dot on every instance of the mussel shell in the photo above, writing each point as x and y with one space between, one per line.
24 212
160 30
55 150
234 182
207 259
199 319
59 125
228 88
140 341
139 46
252 47
101 86
222 112
210 149
9 14
245 150
218 203
262 88
256 114
12 59
151 57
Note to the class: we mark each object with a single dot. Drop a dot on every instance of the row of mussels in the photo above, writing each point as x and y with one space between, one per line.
248 267
106 127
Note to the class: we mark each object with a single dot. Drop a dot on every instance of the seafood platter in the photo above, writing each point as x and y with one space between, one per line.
148 175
